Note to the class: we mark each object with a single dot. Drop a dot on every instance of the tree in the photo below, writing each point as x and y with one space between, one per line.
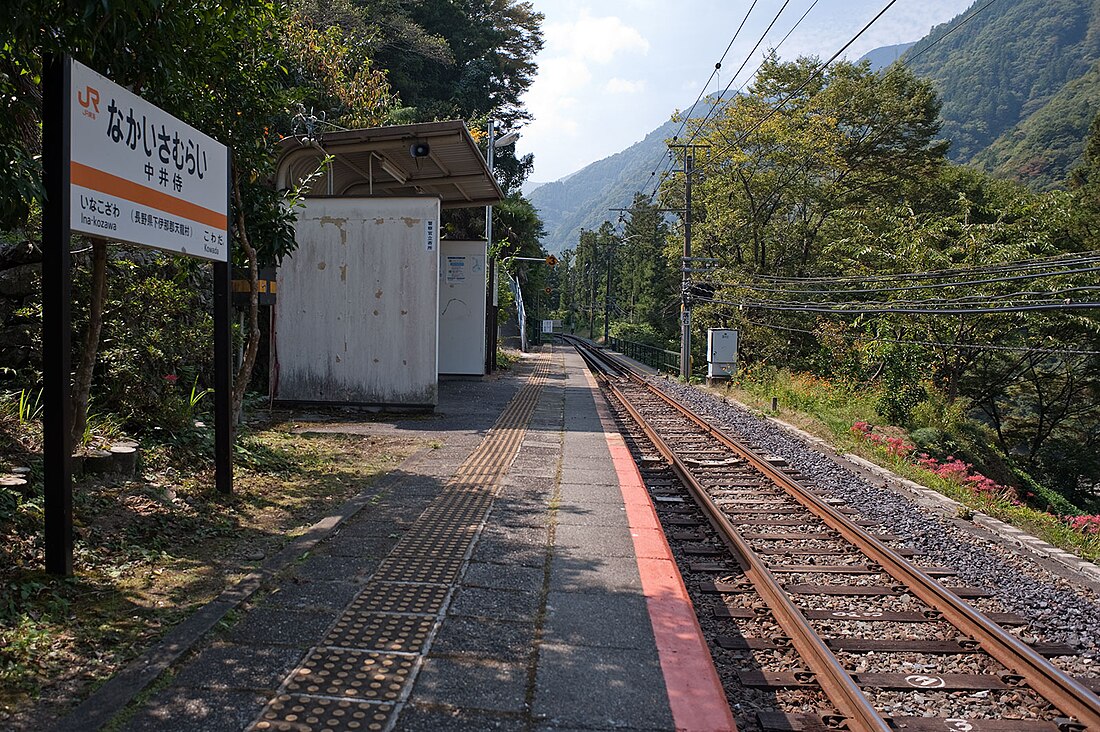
646 282
236 70
802 146
458 59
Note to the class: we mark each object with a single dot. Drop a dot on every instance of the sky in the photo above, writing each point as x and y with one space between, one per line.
610 72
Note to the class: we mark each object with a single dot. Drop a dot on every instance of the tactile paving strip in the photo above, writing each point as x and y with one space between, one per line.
296 713
401 633
352 674
419 569
399 597
365 662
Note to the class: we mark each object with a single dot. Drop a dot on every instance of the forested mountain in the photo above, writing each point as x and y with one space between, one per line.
1020 84
880 58
1016 78
583 200
1040 150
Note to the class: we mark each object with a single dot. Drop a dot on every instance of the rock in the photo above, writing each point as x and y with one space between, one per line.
16 253
20 281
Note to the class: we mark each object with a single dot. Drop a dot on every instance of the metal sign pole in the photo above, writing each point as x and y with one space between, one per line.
56 317
223 379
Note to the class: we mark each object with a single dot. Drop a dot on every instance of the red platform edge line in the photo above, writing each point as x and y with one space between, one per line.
695 693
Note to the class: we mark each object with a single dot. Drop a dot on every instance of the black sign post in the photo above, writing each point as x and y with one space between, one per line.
57 225
56 317
223 379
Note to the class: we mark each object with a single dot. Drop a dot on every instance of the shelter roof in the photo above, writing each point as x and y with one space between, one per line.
378 161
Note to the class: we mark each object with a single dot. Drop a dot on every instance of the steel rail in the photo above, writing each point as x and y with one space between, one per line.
835 681
1065 692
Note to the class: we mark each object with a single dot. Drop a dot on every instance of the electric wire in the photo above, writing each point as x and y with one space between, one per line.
717 66
936 344
725 91
817 72
907 288
978 299
1069 259
837 310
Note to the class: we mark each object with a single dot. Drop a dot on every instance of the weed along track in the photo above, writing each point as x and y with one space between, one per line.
819 621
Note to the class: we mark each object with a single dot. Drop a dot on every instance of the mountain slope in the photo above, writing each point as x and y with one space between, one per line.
882 57
1005 65
1042 149
583 199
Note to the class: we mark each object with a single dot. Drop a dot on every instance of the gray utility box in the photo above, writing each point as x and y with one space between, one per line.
721 353
462 296
357 319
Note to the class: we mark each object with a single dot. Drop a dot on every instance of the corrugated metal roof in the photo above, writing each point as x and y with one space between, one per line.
378 161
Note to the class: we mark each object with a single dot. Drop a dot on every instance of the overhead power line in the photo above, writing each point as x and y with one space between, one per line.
841 310
1069 259
706 86
724 92
909 288
938 344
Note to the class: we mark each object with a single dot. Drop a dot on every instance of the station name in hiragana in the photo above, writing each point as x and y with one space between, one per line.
176 155
213 241
99 206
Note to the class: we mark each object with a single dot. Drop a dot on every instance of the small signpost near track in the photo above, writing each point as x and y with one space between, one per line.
117 167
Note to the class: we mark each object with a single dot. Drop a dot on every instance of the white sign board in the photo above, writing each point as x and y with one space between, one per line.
456 270
140 175
548 326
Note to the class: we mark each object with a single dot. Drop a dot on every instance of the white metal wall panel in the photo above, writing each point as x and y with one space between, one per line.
462 307
358 309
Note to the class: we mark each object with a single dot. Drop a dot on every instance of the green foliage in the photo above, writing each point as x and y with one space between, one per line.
902 390
30 406
1042 149
156 342
643 333
1006 66
457 59
506 359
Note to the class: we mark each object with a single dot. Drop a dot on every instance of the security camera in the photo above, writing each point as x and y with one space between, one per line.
420 150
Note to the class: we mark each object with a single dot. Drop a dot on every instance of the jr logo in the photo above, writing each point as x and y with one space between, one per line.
89 99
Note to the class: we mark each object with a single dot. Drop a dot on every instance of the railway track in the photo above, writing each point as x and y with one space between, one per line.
838 627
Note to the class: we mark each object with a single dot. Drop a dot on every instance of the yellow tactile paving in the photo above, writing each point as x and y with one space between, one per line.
369 657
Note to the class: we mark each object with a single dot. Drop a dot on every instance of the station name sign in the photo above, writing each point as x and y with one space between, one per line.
139 175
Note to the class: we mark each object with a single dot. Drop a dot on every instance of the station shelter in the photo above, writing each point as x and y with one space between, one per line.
374 305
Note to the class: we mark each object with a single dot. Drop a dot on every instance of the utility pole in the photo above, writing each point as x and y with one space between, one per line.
685 286
607 295
592 296
491 299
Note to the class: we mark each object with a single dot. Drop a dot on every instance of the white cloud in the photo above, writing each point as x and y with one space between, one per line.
578 55
623 86
593 39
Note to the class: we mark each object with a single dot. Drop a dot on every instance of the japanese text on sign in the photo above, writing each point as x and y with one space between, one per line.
140 175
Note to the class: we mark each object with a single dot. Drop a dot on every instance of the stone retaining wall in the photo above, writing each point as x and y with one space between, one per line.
20 290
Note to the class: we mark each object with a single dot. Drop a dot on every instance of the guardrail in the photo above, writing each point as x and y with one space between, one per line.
658 358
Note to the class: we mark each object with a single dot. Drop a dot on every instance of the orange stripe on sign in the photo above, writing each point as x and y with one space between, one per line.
111 185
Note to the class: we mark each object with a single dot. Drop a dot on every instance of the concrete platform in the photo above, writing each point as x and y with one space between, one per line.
513 579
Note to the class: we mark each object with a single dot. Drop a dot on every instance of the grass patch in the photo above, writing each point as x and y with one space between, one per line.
150 551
